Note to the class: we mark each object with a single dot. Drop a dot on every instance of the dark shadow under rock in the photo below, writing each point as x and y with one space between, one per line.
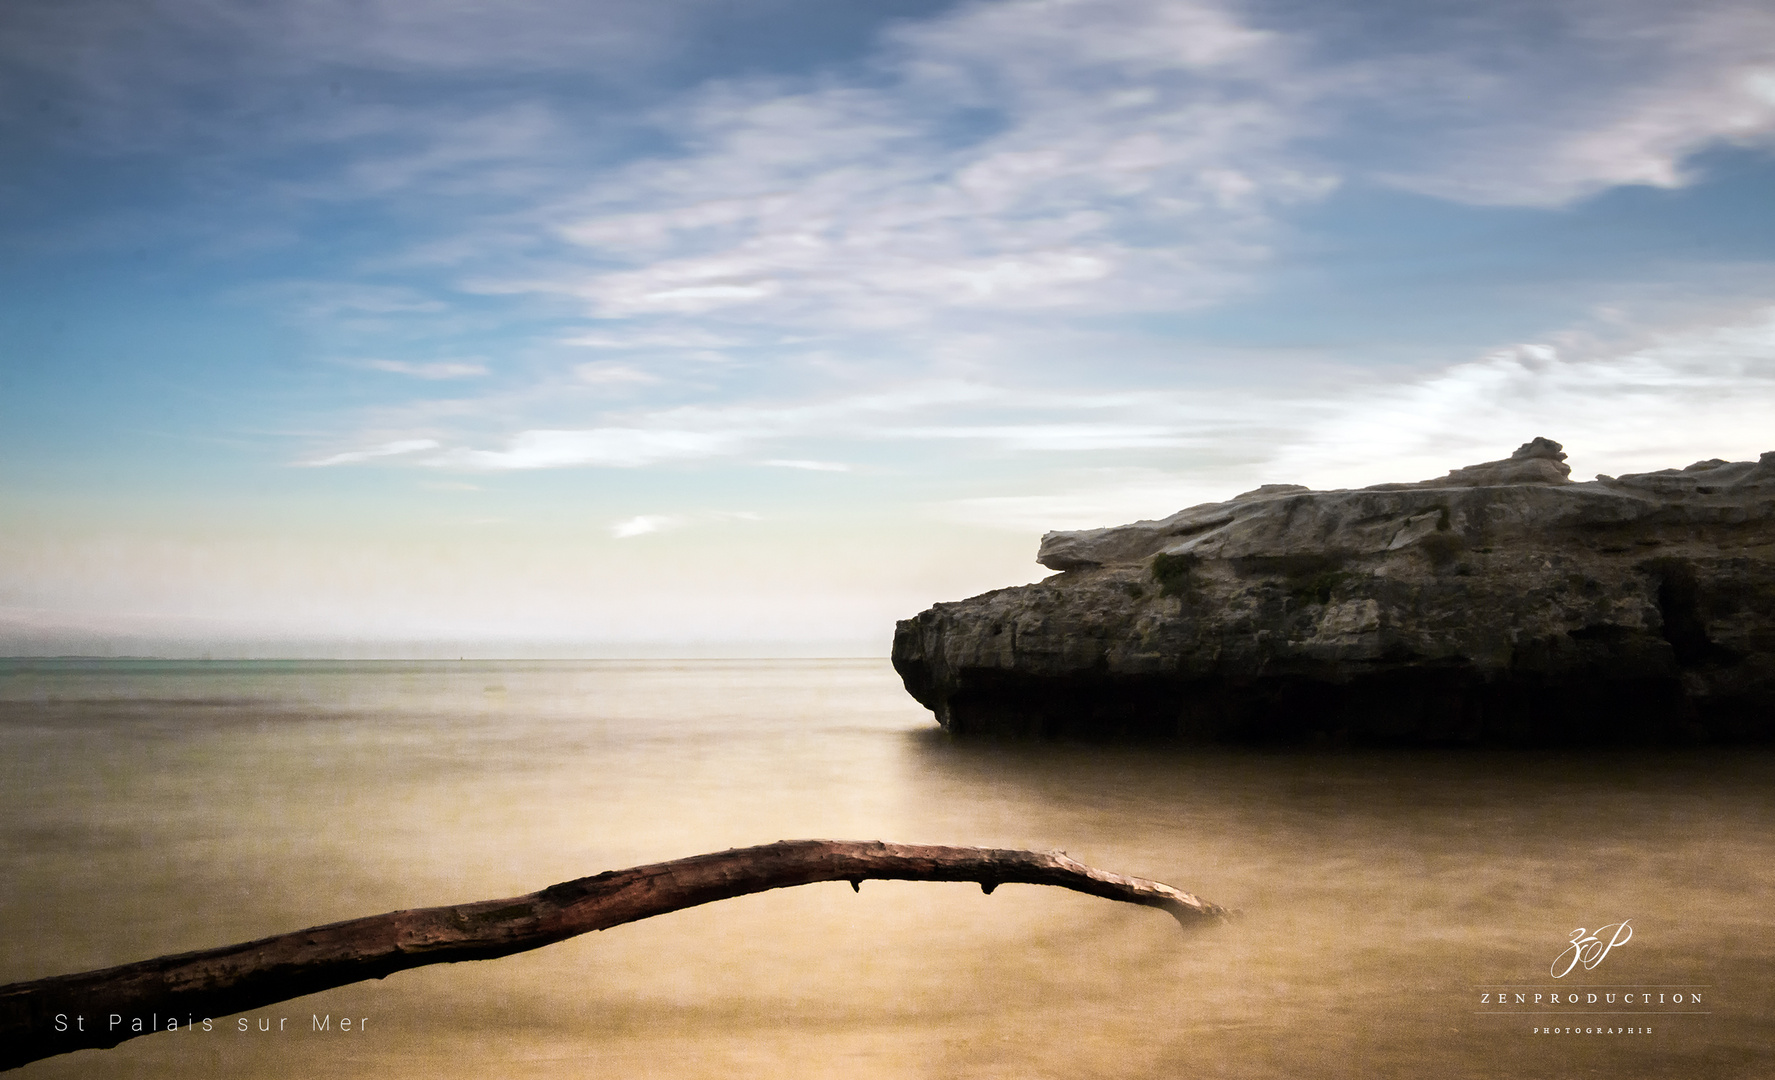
1501 604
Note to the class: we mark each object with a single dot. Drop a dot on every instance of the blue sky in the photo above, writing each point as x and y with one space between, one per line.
375 327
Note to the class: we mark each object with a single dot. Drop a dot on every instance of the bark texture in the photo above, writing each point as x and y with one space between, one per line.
218 982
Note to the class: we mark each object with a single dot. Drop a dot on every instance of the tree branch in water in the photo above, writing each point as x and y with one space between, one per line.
235 978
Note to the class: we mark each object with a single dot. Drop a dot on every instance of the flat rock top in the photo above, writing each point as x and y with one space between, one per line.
1528 494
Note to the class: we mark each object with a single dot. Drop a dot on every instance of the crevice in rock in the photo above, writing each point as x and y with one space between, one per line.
1679 606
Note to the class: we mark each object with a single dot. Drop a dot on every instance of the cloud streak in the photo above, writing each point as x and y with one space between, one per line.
1012 156
1636 400
1614 93
388 449
613 447
1679 395
1663 398
438 369
645 524
1098 156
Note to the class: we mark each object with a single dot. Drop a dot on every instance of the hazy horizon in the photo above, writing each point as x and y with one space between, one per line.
396 652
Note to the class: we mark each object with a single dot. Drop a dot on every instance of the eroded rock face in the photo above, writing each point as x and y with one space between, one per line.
1501 603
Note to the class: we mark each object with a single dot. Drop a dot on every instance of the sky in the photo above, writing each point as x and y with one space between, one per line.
693 327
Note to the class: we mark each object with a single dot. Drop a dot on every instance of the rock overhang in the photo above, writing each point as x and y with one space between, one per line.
1479 606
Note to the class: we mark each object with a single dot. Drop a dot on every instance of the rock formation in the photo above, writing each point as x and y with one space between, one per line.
1501 603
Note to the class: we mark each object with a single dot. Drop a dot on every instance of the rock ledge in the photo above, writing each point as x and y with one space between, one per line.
1501 603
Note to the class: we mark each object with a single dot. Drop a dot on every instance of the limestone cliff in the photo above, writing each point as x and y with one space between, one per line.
1502 603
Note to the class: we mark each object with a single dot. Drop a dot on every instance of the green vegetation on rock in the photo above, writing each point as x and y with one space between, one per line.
1172 572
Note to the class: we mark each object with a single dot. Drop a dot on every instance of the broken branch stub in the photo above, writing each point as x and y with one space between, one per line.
234 978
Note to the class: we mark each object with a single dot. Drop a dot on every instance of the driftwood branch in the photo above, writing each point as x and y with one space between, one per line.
75 1012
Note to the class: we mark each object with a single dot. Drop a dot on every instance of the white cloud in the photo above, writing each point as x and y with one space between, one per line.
387 449
1616 92
1661 399
691 433
684 433
622 447
1129 155
1021 155
1622 398
631 339
439 369
1102 156
606 374
1677 395
1002 418
642 524
1131 435
1010 160
1113 154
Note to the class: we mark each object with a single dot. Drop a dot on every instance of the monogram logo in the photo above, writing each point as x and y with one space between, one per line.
1588 947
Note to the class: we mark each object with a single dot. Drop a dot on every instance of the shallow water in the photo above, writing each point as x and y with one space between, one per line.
153 807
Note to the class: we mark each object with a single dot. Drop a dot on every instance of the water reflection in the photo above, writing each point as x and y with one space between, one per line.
145 810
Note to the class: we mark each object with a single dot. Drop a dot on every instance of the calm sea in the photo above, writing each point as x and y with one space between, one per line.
1386 899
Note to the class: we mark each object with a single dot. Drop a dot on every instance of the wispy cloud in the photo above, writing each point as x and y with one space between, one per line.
1656 398
437 369
631 340
611 447
605 374
1624 398
1099 156
387 449
985 173
1585 96
996 162
1673 396
1059 437
643 524
1006 154
1020 421
1017 155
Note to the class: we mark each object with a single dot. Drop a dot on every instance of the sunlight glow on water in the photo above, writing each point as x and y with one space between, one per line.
148 808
